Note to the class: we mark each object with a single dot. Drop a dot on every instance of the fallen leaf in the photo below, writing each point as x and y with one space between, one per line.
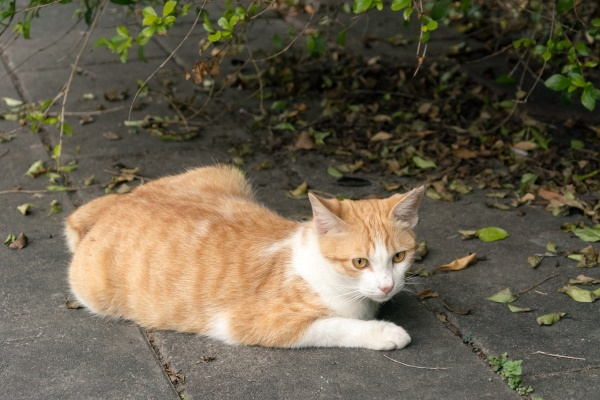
516 309
587 257
73 304
456 309
333 171
534 260
491 234
525 145
551 247
419 272
19 243
9 239
123 189
503 296
578 294
301 192
381 136
115 95
421 251
12 102
427 294
550 319
464 154
583 280
588 234
110 135
55 207
468 234
304 142
442 317
36 169
459 263
422 163
25 208
89 180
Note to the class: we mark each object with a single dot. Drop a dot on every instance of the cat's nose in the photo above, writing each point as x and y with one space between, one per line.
386 289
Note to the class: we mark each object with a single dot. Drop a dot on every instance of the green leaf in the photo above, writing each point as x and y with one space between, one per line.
10 238
123 31
285 126
588 233
407 13
169 7
333 171
215 37
557 82
588 99
551 247
503 296
422 163
562 6
400 4
147 11
577 144
550 319
58 188
491 234
361 6
55 207
440 9
37 168
579 294
24 208
516 309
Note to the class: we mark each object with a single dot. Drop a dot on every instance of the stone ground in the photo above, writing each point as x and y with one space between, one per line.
49 351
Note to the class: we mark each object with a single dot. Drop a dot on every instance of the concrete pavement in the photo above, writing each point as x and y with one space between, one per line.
52 352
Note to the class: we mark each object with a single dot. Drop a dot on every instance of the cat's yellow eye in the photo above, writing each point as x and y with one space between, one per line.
360 263
398 257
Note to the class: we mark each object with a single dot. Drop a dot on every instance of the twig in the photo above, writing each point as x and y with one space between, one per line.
412 366
537 284
558 355
187 35
67 86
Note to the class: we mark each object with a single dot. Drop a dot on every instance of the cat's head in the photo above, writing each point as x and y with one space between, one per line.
370 242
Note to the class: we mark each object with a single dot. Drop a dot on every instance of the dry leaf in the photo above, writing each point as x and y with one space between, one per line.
583 280
459 263
456 309
110 135
427 294
381 136
19 243
525 145
304 142
73 304
463 153
301 192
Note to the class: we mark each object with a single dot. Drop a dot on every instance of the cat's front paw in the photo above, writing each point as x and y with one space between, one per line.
389 336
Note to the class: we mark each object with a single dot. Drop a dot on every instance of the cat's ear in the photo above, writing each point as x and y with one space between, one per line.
325 219
405 207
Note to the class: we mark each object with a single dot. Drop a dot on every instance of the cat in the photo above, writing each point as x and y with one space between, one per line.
196 253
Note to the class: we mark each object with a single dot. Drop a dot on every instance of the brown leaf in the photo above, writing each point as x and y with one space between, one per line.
583 280
525 145
456 309
304 142
19 243
464 154
459 263
381 136
427 294
110 135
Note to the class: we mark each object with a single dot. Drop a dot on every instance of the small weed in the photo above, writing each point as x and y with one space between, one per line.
510 371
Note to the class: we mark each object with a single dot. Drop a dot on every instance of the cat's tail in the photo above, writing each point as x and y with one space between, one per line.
79 223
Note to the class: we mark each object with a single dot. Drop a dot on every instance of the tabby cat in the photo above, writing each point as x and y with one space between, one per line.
195 253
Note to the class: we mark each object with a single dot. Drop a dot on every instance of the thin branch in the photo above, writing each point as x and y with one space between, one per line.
558 355
413 366
187 35
67 86
537 284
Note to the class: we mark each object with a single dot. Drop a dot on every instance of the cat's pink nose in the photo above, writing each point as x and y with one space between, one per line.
385 289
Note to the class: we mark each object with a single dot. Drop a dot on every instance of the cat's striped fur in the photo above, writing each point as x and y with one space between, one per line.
196 253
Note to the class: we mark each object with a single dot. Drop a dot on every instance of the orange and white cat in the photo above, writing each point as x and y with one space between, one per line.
196 253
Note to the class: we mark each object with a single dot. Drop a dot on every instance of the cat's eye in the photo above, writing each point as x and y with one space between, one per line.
399 256
360 263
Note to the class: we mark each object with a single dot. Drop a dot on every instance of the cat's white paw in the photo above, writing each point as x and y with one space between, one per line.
388 336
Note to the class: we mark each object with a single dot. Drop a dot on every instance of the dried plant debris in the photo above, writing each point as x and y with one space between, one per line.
16 243
587 257
427 294
517 309
550 319
584 280
73 305
459 263
457 309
